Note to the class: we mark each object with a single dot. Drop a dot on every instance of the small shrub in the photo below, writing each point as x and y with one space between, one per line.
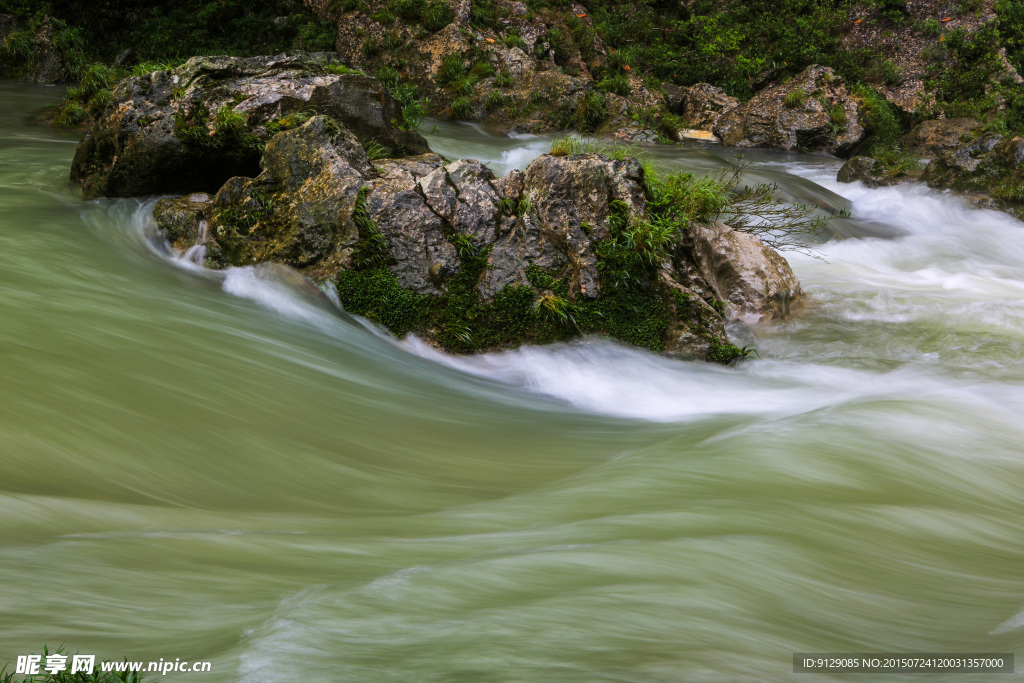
460 108
590 112
437 15
513 39
931 27
504 79
494 100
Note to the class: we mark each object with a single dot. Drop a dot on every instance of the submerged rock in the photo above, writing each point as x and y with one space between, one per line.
812 112
194 127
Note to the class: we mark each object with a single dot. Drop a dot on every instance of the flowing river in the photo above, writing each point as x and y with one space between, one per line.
226 467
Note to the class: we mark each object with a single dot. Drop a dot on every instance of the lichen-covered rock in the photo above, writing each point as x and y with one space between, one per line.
812 112
985 168
420 255
299 210
696 329
196 126
941 136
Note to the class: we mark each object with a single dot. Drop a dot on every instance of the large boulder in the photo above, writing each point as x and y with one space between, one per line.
753 279
812 112
703 105
194 127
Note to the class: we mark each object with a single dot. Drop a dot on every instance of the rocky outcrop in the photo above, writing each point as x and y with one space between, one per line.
702 105
196 126
519 69
469 261
812 112
986 168
443 249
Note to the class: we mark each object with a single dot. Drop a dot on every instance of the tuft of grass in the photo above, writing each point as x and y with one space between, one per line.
375 150
495 100
452 69
795 99
617 83
589 113
573 145
513 39
460 108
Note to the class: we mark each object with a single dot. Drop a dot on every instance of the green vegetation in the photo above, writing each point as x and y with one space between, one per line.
795 99
588 114
460 107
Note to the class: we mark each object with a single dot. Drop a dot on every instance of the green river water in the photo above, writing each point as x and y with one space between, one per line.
225 467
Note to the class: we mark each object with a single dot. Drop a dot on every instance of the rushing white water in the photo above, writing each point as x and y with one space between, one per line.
225 466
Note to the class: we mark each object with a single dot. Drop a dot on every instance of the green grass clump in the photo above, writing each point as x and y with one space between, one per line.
617 83
495 100
588 114
437 15
503 79
460 108
513 39
795 99
452 69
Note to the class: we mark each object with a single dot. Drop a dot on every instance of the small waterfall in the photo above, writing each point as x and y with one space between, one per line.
197 252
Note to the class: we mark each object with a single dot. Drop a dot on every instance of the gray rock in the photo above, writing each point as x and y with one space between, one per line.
703 105
754 280
868 171
196 126
47 63
696 330
940 136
